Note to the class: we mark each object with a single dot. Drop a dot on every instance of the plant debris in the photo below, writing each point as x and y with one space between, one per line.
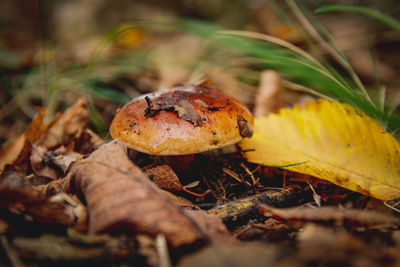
128 200
350 217
244 128
180 105
241 211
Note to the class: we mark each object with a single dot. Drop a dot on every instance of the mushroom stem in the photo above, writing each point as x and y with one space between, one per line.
180 163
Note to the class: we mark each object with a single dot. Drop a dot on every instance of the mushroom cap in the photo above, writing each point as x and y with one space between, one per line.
182 120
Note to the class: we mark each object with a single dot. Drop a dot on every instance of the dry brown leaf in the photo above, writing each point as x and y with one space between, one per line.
19 149
118 194
332 247
54 187
41 163
10 153
35 206
164 177
52 164
59 131
267 99
12 179
353 217
180 201
86 141
66 127
64 158
212 226
228 255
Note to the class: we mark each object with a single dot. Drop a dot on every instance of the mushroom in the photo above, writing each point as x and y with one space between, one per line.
182 121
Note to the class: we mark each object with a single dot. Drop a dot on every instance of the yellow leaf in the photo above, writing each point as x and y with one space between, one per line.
336 142
129 36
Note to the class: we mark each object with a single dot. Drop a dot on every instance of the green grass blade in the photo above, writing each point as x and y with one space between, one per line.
369 12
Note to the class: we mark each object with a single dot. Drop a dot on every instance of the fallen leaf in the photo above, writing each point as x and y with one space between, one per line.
329 246
37 181
212 226
19 149
271 229
60 130
164 177
180 201
12 179
60 248
52 164
119 194
42 165
267 99
64 158
10 153
35 206
65 127
227 255
332 141
86 141
54 187
354 217
74 208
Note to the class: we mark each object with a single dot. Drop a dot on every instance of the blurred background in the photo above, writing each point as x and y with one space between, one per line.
53 52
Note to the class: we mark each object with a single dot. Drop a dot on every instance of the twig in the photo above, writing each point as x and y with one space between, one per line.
11 253
162 251
238 212
393 207
232 174
249 173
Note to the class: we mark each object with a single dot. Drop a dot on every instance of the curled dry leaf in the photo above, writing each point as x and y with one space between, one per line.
43 136
353 217
10 153
52 164
42 163
54 187
267 99
19 149
66 127
164 177
118 193
86 141
35 206
74 208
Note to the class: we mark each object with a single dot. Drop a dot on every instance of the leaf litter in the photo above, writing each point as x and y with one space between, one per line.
88 201
129 198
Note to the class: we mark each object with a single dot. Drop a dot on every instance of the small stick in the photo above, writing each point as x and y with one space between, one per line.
11 253
162 251
239 212
249 173
232 174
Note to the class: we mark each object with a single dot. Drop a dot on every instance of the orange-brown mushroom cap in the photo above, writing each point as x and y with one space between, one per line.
182 120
